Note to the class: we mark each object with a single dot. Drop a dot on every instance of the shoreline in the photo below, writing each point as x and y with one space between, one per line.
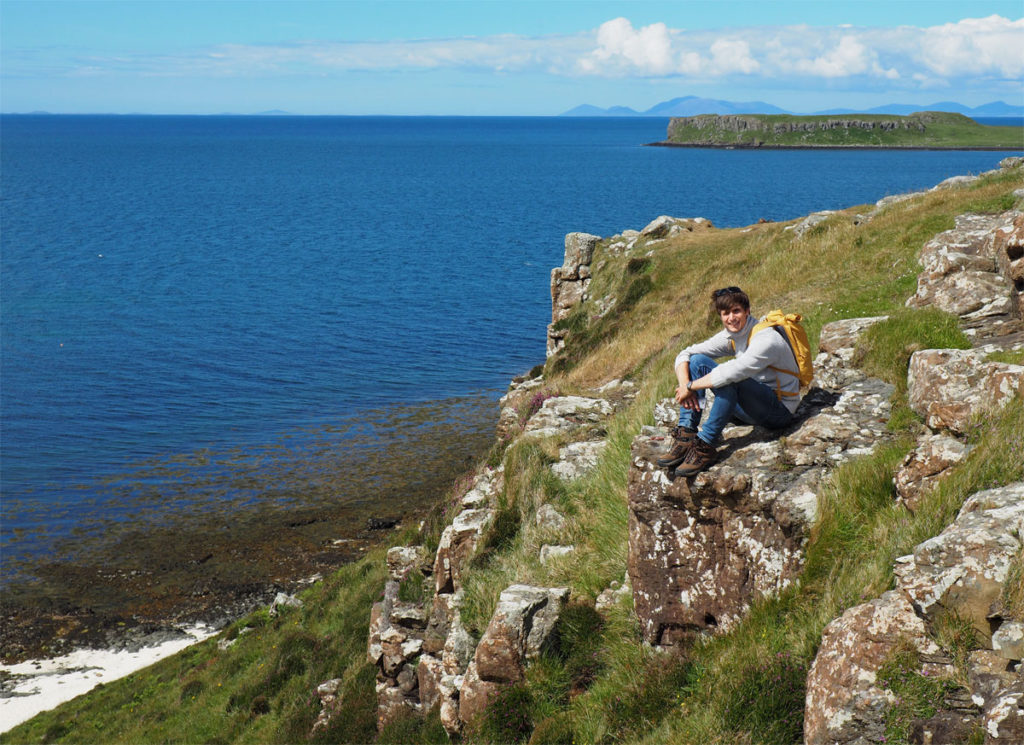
34 686
218 563
68 644
752 146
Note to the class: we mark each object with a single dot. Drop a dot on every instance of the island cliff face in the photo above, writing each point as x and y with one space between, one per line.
935 130
713 124
703 550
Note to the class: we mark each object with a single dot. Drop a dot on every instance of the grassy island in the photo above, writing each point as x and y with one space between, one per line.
924 130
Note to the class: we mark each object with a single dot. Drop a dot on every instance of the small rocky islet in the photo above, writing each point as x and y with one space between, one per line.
924 130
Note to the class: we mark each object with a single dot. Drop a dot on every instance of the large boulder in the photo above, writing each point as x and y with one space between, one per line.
925 466
521 627
845 703
963 569
458 544
948 387
569 283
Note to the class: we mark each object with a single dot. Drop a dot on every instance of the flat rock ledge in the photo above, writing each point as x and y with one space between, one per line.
701 549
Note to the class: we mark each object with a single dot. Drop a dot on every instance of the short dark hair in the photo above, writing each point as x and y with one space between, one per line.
729 297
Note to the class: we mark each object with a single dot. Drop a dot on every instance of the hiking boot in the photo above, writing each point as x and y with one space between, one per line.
697 458
683 442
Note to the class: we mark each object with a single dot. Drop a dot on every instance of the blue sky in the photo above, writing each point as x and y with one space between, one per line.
501 58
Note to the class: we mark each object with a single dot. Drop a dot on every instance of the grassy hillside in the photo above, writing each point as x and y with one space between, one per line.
601 685
928 129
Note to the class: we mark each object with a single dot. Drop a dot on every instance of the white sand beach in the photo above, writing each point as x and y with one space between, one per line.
39 685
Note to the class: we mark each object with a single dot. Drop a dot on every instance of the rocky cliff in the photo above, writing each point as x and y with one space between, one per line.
713 124
702 550
923 129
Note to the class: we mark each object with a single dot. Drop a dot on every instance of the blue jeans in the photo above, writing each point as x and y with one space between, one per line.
749 401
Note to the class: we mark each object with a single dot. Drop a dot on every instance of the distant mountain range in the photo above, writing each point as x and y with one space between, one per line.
694 105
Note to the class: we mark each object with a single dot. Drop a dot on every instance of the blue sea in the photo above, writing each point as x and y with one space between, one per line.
174 289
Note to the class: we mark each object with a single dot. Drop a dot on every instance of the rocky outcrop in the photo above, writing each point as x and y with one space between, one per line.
1008 247
425 657
664 226
564 414
801 227
524 396
569 284
458 544
420 648
968 271
949 387
702 549
520 628
845 703
577 459
960 571
397 631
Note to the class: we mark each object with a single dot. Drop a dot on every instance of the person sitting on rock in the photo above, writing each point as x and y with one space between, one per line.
753 387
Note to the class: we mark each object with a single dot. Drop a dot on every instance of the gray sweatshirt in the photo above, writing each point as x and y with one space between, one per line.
767 349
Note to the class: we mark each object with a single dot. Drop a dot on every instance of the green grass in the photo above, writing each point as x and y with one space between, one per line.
599 683
918 696
885 348
260 689
923 129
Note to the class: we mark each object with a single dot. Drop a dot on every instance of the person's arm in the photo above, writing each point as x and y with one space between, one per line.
685 396
716 346
766 349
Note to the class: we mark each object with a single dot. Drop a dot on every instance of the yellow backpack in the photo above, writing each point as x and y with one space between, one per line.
788 324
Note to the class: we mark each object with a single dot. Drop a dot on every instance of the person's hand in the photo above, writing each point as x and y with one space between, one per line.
687 399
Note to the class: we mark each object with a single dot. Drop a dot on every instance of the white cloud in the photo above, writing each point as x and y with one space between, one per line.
962 53
990 47
850 57
979 46
732 55
621 49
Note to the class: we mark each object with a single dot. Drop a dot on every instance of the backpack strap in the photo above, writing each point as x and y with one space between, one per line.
782 333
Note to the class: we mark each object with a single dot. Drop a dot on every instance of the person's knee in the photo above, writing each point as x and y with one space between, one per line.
727 393
700 363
